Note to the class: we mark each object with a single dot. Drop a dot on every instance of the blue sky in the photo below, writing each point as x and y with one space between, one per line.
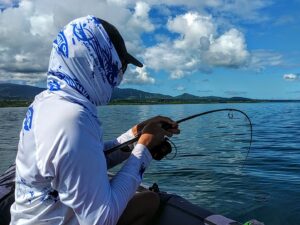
210 47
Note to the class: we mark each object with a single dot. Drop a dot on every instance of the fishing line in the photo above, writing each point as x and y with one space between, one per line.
175 147
124 146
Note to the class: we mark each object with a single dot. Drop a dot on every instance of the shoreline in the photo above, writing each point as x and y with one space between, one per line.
26 103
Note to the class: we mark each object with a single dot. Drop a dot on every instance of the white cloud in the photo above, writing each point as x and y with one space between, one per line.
140 18
27 31
189 4
24 78
118 2
21 52
192 26
228 50
198 42
245 10
165 56
290 77
138 76
198 47
42 25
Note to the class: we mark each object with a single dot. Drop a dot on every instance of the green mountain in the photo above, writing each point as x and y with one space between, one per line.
15 92
186 96
18 92
25 92
132 94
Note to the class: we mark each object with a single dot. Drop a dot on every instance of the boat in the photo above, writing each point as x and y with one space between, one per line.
173 210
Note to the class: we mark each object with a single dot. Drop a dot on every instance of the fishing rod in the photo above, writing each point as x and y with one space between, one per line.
125 146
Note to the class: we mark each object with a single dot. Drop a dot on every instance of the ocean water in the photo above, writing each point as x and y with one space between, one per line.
210 167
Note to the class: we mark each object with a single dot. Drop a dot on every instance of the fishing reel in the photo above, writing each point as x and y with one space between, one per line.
160 151
165 148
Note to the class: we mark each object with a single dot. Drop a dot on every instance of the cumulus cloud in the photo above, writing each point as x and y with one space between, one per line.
22 50
198 47
290 77
192 26
40 25
198 42
140 18
27 31
228 50
34 79
138 76
165 56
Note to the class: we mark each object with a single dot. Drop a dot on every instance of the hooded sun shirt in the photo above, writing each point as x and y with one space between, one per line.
84 62
61 168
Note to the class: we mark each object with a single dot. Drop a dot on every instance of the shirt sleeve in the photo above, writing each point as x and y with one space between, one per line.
118 156
81 176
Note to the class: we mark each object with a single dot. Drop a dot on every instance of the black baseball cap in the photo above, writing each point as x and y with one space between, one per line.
119 44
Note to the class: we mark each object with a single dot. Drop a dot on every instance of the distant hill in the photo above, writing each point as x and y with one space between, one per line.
18 92
25 92
240 99
129 93
186 96
120 95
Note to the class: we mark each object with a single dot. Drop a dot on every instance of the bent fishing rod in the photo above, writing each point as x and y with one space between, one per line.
230 115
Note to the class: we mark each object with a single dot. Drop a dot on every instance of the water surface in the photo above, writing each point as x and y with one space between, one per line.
210 152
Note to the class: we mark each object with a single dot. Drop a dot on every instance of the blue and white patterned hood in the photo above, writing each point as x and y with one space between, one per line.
84 64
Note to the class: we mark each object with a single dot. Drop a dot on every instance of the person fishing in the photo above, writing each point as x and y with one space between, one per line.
61 165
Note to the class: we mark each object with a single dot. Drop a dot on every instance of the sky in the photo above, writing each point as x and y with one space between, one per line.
206 48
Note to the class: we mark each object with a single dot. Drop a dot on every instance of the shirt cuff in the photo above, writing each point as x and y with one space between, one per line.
141 152
128 135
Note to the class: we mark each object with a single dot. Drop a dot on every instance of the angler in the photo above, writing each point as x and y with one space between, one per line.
61 169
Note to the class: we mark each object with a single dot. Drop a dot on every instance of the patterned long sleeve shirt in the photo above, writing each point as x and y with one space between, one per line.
61 168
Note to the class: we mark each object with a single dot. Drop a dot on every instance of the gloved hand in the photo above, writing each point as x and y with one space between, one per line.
171 125
153 136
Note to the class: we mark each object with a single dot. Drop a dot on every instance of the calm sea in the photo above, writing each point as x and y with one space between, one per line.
209 168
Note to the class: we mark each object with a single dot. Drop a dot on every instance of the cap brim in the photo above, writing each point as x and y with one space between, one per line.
130 59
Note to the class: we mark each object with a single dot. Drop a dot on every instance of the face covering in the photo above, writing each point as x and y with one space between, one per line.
84 63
